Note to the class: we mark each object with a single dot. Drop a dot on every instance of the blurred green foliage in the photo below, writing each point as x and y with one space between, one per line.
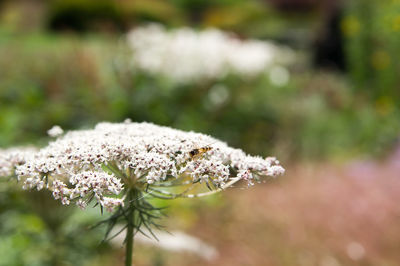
37 230
81 15
76 82
45 81
254 18
372 29
106 15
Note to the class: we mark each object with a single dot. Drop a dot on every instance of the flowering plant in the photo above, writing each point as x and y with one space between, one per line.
120 166
185 55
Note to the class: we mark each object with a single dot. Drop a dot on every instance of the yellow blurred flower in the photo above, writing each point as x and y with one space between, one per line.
396 23
384 105
350 25
380 60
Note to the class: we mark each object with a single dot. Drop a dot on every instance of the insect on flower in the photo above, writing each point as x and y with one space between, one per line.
197 152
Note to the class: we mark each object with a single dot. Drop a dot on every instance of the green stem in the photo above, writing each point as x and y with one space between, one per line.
130 228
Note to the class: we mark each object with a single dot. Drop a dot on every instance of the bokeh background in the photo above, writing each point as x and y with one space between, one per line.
329 111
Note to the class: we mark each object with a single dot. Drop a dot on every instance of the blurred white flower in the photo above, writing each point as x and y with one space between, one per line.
279 76
175 241
103 163
185 55
217 96
355 251
55 131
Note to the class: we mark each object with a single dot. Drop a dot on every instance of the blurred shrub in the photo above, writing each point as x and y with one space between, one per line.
82 15
108 15
45 81
154 10
23 16
372 29
246 17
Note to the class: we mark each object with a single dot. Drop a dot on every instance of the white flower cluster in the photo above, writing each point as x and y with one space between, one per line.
12 157
84 184
185 55
102 162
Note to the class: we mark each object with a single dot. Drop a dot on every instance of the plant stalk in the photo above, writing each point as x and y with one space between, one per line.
130 229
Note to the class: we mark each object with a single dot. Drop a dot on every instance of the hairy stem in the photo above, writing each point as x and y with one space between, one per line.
130 228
